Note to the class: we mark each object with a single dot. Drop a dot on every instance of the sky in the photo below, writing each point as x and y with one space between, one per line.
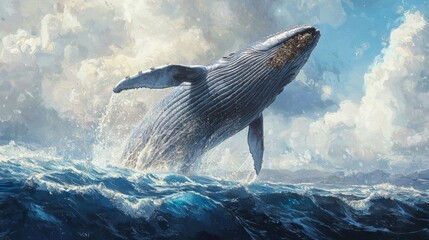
360 103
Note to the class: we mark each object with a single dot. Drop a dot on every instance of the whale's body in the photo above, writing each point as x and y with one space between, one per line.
210 104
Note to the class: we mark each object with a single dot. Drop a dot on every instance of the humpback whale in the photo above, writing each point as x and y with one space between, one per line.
212 103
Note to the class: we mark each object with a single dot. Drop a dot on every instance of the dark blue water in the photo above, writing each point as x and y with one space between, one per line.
47 197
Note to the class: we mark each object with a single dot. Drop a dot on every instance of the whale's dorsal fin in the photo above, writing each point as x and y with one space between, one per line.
162 77
255 139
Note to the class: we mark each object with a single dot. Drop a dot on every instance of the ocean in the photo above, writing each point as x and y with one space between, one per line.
43 196
346 143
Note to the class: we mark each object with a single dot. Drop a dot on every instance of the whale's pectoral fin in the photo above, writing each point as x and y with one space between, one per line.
162 77
255 139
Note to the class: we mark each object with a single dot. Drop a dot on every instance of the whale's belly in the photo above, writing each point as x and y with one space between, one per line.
189 122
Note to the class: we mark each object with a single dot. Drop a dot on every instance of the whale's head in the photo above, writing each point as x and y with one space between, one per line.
289 48
279 56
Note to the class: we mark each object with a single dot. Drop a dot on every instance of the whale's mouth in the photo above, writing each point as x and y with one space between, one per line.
293 47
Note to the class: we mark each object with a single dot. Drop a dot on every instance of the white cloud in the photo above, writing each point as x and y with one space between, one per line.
67 56
387 129
387 125
77 50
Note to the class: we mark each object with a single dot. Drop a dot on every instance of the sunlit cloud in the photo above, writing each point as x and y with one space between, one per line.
60 61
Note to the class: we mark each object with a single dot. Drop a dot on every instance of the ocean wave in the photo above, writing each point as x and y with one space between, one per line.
54 197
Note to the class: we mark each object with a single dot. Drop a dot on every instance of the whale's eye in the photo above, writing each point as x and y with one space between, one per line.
290 50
